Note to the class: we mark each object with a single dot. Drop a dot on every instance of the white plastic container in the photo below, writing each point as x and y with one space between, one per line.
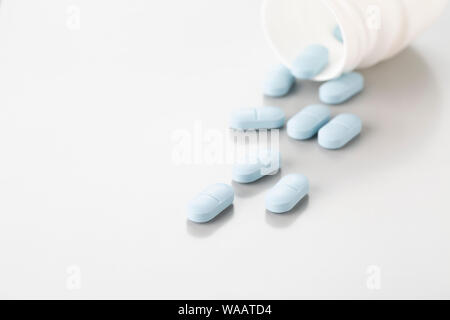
372 30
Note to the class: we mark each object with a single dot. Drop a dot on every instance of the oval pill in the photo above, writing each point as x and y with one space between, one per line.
210 202
278 82
287 193
308 121
340 131
257 118
263 164
341 89
310 62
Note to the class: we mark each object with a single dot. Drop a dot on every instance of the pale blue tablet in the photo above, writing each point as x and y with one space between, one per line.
278 82
340 131
210 202
257 118
341 89
287 193
311 61
257 166
307 122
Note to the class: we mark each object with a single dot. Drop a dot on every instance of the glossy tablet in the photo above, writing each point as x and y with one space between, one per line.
308 121
278 82
287 193
311 61
340 131
341 89
257 118
210 202
257 166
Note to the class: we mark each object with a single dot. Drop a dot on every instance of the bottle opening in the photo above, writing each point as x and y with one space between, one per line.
293 25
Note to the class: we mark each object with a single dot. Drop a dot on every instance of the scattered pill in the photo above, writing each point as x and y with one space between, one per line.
307 122
278 82
338 34
257 118
210 202
340 131
257 166
310 62
341 89
287 193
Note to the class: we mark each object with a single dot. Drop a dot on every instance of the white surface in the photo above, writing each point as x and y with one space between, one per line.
86 177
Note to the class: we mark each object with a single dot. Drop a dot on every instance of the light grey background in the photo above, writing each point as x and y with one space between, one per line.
87 181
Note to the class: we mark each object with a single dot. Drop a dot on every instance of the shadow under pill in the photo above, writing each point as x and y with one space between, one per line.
284 220
248 190
204 230
399 108
352 144
304 93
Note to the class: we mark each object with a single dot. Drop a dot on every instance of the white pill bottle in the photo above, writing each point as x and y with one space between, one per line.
372 30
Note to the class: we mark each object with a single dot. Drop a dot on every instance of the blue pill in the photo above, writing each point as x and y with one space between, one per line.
287 193
257 166
278 82
210 202
338 34
340 131
310 62
306 123
341 89
257 118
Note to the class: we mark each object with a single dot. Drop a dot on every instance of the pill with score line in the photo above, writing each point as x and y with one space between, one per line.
278 82
257 118
210 203
258 165
311 61
287 193
308 121
340 131
341 89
